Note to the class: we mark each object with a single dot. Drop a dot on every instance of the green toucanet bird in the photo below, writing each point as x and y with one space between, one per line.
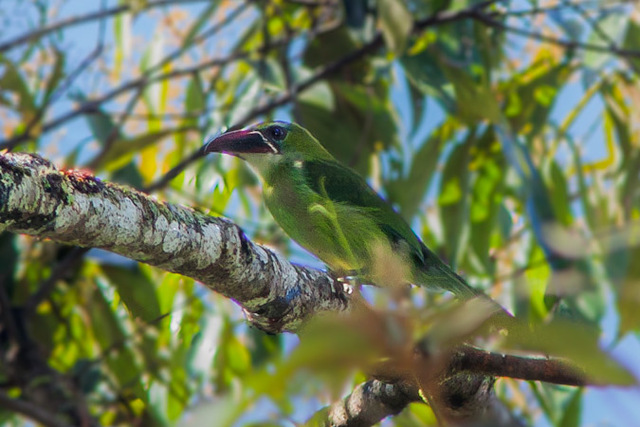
332 212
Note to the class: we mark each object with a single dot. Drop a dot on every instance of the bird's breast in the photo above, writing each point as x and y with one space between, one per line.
340 235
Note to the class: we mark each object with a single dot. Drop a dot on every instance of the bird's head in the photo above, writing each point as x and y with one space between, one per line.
268 144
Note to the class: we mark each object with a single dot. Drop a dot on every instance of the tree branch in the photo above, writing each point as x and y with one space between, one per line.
371 402
30 410
471 359
76 208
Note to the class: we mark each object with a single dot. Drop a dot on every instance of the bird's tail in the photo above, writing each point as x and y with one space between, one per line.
441 276
436 274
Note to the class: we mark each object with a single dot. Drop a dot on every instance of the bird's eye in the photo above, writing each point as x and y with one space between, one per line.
277 132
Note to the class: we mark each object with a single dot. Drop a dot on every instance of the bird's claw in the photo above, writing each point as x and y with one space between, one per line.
344 284
349 283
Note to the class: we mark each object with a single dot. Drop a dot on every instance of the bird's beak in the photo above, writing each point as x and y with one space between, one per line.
239 142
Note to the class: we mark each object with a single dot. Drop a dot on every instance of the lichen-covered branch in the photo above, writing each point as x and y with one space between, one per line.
371 402
76 208
457 398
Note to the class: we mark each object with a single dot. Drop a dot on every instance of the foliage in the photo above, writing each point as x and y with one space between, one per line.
503 131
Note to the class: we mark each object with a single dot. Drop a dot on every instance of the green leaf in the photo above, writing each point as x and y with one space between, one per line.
537 201
425 75
238 357
194 98
631 180
155 94
364 121
573 411
319 95
422 42
559 194
263 347
409 192
616 121
582 186
554 400
355 12
486 197
204 17
454 199
332 46
102 127
270 73
136 290
396 23
632 39
532 93
121 151
128 175
474 100
12 80
109 332
194 104
242 94
418 103
624 272
122 34
56 75
614 25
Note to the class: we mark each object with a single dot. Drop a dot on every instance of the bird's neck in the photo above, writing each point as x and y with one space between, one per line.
274 168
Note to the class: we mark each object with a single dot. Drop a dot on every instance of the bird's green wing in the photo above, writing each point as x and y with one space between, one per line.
343 185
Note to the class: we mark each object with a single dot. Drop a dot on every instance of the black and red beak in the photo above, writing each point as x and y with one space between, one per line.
240 142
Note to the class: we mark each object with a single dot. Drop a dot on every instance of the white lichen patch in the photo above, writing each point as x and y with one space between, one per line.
262 254
129 222
25 196
211 245
153 235
173 240
233 247
67 218
109 222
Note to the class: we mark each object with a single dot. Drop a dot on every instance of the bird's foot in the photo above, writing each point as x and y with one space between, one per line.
349 283
345 284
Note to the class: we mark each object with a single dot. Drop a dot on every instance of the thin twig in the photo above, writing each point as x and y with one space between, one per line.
162 116
554 371
537 10
76 20
569 44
